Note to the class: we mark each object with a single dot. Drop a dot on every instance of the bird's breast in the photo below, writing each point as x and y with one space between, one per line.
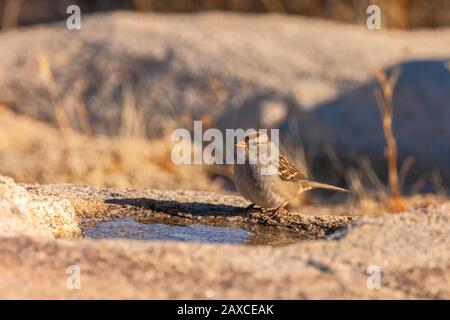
255 187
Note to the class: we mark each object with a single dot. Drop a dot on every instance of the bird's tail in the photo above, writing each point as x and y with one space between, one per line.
318 185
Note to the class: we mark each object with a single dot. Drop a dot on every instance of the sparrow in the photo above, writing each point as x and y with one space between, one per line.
270 191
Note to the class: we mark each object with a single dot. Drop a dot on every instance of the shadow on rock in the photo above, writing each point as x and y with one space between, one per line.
177 208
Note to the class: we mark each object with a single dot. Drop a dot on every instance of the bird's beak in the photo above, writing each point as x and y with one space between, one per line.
241 145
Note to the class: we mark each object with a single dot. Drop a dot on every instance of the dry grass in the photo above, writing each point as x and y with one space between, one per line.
11 12
61 117
32 151
385 104
367 188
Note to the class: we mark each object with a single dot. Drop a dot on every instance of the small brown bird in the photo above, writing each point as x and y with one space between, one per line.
270 191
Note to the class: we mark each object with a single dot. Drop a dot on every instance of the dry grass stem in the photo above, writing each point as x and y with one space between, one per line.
132 125
385 104
58 107
438 184
83 116
11 12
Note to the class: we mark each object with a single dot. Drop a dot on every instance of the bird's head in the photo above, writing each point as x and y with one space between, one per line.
253 144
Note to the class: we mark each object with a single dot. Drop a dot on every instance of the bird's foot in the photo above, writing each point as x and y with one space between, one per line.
280 210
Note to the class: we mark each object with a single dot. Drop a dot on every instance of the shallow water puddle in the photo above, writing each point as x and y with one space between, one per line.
130 229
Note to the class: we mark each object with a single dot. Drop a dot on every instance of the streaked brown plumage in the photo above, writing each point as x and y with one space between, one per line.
272 192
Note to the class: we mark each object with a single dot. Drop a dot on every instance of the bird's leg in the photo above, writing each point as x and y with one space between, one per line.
279 210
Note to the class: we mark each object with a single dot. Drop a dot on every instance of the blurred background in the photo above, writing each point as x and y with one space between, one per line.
97 105
404 14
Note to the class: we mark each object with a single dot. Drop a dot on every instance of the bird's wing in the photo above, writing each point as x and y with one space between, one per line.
288 171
